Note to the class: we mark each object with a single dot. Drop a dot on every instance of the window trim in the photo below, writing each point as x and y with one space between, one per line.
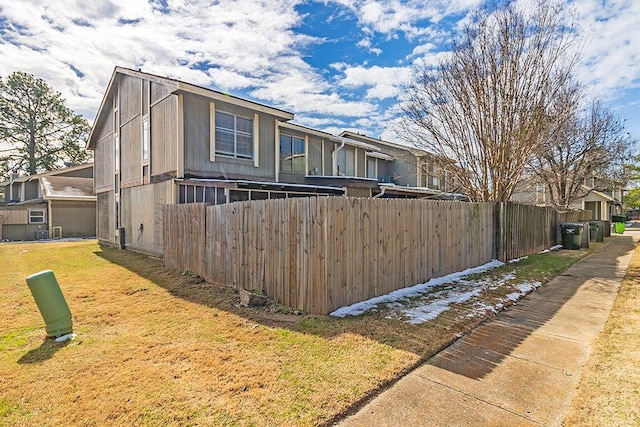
235 131
304 140
44 216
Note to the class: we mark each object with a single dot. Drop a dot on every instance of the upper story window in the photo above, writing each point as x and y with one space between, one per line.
371 168
346 162
292 154
145 139
234 135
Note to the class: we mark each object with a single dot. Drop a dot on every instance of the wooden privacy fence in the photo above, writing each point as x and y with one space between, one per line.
319 254
525 229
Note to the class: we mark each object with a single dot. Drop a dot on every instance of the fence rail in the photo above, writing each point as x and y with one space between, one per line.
321 253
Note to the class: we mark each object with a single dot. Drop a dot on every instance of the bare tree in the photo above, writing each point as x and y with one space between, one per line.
490 104
591 148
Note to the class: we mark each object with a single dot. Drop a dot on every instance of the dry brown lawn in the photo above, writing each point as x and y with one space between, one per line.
158 347
609 390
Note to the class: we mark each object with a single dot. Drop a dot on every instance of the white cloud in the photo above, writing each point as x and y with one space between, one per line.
361 76
254 46
389 17
611 55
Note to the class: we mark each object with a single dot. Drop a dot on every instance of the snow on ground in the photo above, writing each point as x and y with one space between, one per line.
426 301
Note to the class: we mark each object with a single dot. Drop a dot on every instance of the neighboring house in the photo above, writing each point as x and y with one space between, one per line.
603 197
53 204
158 141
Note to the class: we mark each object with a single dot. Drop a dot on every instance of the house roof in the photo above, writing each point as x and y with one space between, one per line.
414 150
596 196
26 178
327 135
66 188
178 86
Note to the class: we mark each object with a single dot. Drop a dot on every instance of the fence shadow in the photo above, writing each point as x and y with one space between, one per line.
423 340
478 353
484 348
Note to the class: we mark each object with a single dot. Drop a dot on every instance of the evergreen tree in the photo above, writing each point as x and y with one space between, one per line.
38 132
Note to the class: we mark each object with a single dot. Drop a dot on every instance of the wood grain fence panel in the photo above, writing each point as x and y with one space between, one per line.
322 253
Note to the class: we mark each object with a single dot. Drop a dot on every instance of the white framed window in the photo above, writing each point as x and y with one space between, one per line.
292 154
234 135
117 152
37 216
346 162
145 138
371 167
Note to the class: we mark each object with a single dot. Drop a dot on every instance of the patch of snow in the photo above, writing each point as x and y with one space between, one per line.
552 248
518 259
426 301
412 291
432 310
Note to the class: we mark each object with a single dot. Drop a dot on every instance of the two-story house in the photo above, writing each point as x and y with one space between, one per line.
602 196
57 204
158 140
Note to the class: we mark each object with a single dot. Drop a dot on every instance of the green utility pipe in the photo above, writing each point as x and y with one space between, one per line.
51 303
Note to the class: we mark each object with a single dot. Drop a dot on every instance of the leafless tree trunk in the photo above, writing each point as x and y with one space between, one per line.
592 145
490 105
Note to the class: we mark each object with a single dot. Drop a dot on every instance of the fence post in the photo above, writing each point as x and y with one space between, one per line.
499 219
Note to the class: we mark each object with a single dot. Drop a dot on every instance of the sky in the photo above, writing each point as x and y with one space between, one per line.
336 64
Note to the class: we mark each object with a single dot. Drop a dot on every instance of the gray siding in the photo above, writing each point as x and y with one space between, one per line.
197 143
164 133
77 219
328 158
22 231
131 152
31 190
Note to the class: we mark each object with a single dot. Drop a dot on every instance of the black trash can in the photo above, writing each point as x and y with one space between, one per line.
607 228
618 218
574 235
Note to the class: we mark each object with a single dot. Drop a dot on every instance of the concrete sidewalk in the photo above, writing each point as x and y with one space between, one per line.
519 369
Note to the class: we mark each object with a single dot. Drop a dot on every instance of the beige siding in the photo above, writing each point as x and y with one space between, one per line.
106 128
159 91
103 158
77 219
131 152
130 98
164 136
143 205
13 216
105 220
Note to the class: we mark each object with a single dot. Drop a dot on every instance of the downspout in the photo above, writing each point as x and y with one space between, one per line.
380 194
334 158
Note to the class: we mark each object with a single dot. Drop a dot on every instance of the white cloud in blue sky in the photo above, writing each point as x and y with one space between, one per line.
336 64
